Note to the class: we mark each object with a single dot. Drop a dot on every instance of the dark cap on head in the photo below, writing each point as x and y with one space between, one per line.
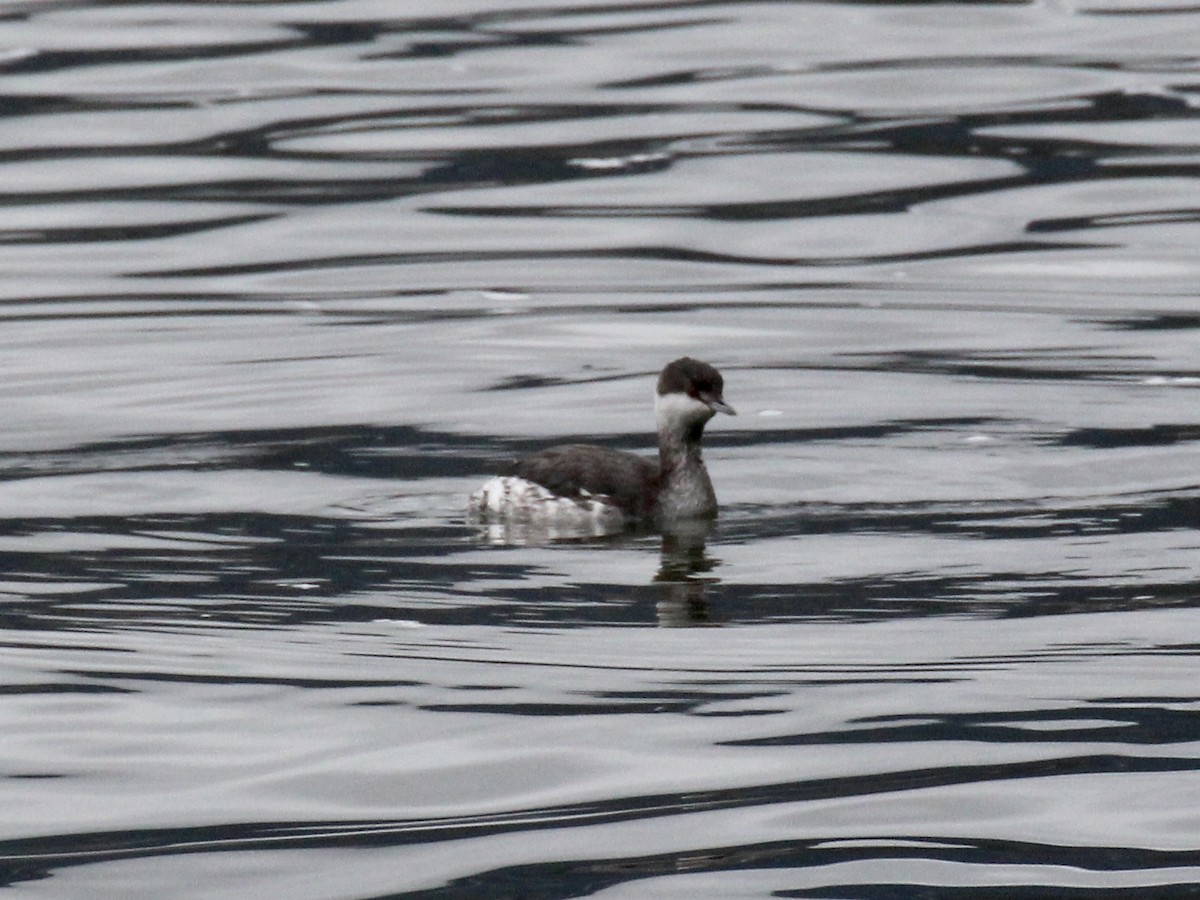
696 379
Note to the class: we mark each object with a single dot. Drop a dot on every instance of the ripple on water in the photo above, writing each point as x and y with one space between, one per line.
284 282
951 735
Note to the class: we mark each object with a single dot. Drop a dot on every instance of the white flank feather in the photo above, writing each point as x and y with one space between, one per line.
514 508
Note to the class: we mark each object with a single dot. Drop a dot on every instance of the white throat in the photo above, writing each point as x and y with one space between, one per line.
676 414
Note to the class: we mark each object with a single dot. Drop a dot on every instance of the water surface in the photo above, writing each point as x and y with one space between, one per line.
285 281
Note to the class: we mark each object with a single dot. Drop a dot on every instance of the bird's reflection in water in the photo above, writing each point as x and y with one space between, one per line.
684 571
683 575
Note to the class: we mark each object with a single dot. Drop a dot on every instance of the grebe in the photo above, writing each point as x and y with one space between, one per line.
581 487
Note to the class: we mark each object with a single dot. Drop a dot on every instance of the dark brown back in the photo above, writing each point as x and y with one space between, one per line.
630 481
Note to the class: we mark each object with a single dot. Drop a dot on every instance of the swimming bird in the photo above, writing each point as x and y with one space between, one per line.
596 490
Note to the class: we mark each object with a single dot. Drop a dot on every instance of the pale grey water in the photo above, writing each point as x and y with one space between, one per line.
284 281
